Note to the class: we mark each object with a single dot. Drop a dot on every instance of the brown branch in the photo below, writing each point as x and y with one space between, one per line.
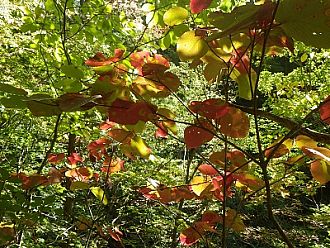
288 123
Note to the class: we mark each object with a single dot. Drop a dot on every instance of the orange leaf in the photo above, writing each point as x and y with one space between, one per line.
73 159
235 123
318 153
321 171
116 165
208 170
80 174
55 158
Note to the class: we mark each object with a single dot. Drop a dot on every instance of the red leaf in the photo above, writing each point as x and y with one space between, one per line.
207 169
325 110
140 59
107 124
240 61
129 113
55 158
195 136
198 6
211 218
210 108
235 123
74 158
29 182
100 60
116 234
97 148
189 236
161 131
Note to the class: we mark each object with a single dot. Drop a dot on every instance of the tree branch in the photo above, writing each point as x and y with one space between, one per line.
288 123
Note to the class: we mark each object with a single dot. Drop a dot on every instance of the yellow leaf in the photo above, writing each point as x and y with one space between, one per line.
302 140
175 16
199 184
99 193
190 46
140 147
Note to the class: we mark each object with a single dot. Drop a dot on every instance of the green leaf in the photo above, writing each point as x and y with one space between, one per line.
43 105
99 193
72 71
243 81
76 185
166 41
69 85
306 20
303 58
12 90
14 101
190 46
175 16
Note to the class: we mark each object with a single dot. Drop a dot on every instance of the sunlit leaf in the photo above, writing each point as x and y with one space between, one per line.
321 171
190 46
249 180
80 174
100 194
199 184
302 140
175 16
140 147
235 123
318 153
111 165
276 150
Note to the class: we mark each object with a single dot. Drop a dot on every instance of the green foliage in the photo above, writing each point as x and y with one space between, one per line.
142 150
